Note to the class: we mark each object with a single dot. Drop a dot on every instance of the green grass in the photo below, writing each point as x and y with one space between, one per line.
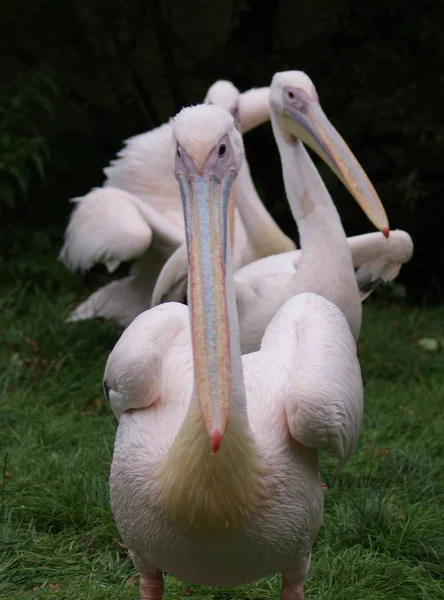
383 533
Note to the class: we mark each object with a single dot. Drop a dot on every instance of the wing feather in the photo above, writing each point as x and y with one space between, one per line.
134 369
105 227
322 389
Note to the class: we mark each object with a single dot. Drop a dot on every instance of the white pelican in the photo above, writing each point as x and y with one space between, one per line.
137 215
214 477
325 256
376 260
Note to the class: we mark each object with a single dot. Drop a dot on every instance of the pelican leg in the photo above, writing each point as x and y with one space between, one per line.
291 590
151 586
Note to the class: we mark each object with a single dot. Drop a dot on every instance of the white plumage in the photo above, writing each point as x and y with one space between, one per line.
145 224
372 254
325 264
254 506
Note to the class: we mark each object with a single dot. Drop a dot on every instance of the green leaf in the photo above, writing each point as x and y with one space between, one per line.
19 178
7 196
44 103
39 165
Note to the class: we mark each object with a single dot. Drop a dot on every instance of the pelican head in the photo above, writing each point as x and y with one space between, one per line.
225 94
295 109
208 153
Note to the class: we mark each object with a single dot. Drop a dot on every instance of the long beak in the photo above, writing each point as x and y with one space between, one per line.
231 217
205 201
313 128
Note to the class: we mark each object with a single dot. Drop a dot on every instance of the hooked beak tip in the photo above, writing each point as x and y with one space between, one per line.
386 232
216 440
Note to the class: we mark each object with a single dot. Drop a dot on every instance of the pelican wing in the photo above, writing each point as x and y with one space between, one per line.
319 373
136 365
143 168
109 226
377 259
122 300
270 265
105 227
119 301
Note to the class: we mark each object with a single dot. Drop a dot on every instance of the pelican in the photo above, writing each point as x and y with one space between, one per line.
214 477
325 258
137 215
376 260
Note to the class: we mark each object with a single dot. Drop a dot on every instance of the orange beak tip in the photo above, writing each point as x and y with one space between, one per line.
386 232
216 440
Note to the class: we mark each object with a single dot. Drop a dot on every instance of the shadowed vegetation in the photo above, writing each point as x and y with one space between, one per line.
382 537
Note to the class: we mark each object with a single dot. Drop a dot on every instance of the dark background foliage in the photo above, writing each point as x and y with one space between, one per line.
79 77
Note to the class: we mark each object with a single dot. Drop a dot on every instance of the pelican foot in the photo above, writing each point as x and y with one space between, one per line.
151 586
291 590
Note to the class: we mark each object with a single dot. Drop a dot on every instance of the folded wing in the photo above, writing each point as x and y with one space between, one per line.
320 376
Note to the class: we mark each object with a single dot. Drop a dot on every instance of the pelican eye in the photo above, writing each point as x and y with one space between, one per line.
297 99
222 150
